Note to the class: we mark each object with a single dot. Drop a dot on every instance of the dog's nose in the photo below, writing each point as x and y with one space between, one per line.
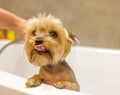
38 41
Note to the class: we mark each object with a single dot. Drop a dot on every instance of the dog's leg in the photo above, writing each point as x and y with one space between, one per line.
33 81
67 85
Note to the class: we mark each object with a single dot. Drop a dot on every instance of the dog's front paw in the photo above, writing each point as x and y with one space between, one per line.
67 85
34 81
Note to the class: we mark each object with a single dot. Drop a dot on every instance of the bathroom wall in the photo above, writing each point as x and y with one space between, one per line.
96 22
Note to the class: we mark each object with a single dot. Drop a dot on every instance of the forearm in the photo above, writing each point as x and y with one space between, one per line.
12 22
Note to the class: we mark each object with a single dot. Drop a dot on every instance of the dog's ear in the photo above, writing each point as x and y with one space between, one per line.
73 38
70 40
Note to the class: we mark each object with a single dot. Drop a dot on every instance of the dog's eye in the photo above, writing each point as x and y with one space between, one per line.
53 34
34 33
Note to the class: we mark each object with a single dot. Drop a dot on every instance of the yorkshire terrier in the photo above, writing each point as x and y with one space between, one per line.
47 43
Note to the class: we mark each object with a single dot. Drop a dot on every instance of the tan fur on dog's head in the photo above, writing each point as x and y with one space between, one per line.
55 40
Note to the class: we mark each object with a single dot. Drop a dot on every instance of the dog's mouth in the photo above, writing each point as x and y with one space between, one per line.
41 49
40 55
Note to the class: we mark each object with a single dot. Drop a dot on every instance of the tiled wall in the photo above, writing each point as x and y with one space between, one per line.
96 22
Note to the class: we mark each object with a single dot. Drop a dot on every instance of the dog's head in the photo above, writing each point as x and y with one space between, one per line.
47 42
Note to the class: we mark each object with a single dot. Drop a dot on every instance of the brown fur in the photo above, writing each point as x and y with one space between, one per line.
54 69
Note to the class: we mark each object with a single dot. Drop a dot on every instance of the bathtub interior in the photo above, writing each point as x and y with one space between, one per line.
97 70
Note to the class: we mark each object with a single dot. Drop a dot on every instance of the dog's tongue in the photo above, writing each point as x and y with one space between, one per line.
40 48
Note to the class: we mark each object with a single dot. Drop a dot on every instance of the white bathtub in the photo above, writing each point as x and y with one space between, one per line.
97 70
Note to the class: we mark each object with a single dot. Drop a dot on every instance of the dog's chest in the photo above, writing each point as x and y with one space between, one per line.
56 74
